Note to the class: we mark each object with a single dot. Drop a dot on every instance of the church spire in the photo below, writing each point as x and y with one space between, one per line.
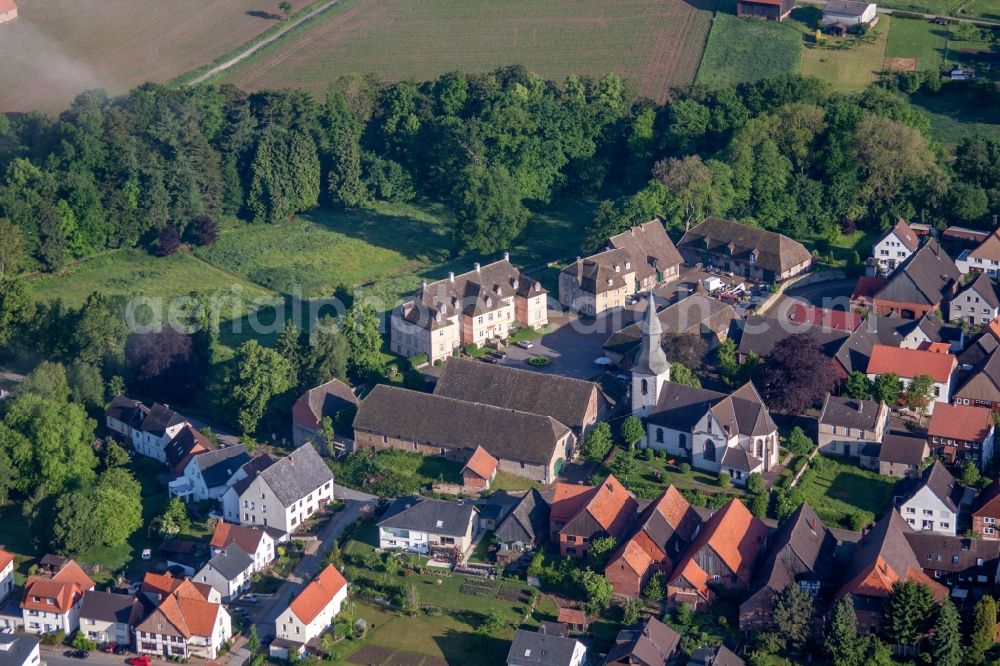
651 360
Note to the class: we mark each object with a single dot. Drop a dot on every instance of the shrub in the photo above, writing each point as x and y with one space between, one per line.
647 454
725 480
539 361
685 468
417 360
471 349
54 638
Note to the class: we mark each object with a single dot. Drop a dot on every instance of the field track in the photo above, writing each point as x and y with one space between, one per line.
656 43
58 48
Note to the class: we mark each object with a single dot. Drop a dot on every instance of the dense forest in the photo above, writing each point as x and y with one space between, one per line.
162 165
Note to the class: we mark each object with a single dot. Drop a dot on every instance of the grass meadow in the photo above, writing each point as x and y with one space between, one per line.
850 64
839 489
657 43
954 117
923 40
741 50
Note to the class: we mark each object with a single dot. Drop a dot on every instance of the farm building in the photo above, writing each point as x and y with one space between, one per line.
8 11
849 13
770 10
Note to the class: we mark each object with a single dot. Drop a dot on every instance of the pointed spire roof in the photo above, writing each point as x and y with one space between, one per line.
651 360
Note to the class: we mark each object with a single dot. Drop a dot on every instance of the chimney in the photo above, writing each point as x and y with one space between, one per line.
423 285
994 220
477 266
506 255
451 276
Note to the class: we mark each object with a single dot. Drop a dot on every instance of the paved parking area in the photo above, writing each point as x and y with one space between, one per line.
572 346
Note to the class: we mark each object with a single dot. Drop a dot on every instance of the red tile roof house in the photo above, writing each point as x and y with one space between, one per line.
6 575
256 541
909 363
723 554
478 473
662 534
986 512
310 613
184 624
961 432
882 557
580 514
53 604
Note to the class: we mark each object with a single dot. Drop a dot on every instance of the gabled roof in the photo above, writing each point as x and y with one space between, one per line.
128 411
680 407
610 505
457 424
989 249
186 444
64 588
110 607
910 363
568 499
527 521
649 246
803 537
983 287
482 464
882 557
736 537
217 467
184 609
296 475
695 314
743 411
318 594
230 562
987 499
159 418
955 554
247 537
324 400
942 484
662 532
840 320
715 656
538 649
426 514
601 272
649 643
565 399
735 457
903 450
983 382
252 470
902 231
5 559
982 346
964 422
760 335
925 278
774 251
850 412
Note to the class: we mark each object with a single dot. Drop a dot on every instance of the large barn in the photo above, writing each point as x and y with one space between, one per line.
770 10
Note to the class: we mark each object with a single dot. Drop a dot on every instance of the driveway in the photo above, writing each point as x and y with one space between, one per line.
835 295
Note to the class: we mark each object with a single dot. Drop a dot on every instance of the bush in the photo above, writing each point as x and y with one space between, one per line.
647 454
539 361
471 349
684 467
418 360
81 642
54 638
725 480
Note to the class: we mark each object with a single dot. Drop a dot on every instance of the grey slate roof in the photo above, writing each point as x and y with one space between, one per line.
954 553
811 542
296 475
925 278
17 648
563 398
844 411
456 424
425 514
695 314
851 8
231 562
530 648
737 458
983 287
942 484
680 407
109 607
252 469
159 418
760 334
647 644
650 247
128 411
597 273
901 449
983 382
218 466
717 656
528 521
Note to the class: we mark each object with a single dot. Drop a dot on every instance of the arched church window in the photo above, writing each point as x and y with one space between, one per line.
710 450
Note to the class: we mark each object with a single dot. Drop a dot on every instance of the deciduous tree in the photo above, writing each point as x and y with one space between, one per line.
797 374
598 442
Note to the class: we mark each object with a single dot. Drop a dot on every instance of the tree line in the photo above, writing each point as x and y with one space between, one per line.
161 166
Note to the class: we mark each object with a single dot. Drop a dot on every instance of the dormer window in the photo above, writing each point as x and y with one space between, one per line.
618 269
753 257
609 282
628 265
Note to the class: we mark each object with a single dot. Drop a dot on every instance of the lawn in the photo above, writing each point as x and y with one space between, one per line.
850 64
841 489
656 474
984 9
954 118
132 273
59 48
742 50
923 40
656 43
941 7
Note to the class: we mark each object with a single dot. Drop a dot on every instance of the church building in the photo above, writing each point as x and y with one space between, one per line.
717 432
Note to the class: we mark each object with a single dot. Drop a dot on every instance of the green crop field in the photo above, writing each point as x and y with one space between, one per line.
657 43
136 273
923 40
741 50
853 68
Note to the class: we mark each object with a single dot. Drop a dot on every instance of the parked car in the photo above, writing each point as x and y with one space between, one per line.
111 647
79 654
147 554
487 359
622 378
250 598
525 344
141 660
498 355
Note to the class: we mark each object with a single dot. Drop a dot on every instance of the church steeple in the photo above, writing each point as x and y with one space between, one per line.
651 368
